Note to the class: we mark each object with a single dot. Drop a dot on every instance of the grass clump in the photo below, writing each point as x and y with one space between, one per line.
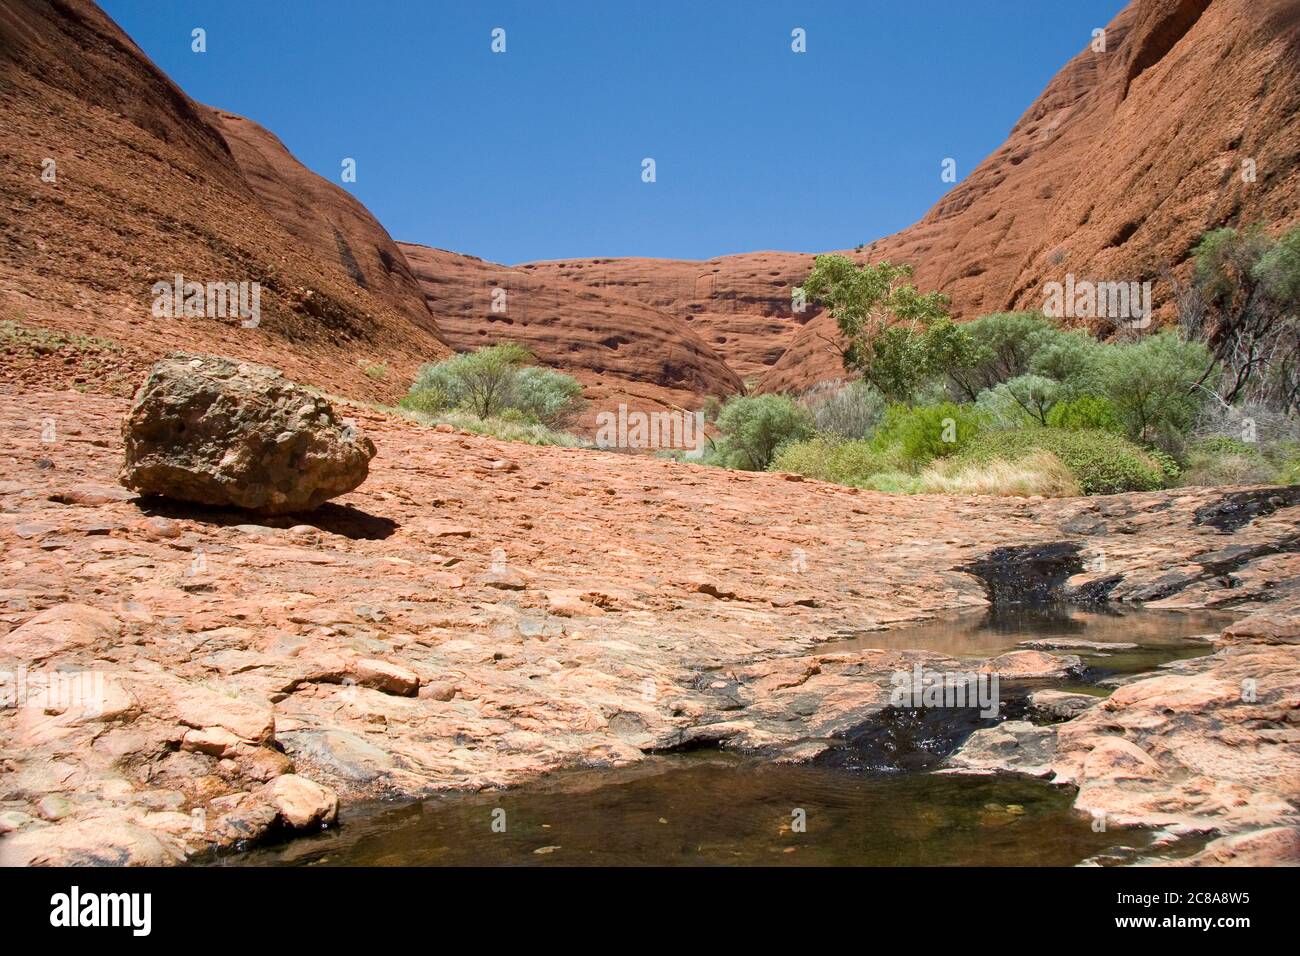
1101 462
1037 473
505 427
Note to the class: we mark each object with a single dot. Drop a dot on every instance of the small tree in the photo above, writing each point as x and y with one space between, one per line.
848 412
881 318
1024 398
1153 386
1244 304
492 380
754 428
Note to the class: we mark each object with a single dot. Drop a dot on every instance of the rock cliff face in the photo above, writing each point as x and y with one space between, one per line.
739 305
1187 120
113 179
621 348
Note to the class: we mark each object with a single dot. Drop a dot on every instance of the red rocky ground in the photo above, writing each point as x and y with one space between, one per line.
481 612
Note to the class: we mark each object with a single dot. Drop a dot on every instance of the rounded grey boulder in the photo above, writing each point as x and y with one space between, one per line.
222 432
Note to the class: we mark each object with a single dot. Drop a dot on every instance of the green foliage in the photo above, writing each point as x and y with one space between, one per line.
893 482
1278 270
427 401
1244 304
495 383
845 411
754 428
993 349
1085 411
882 317
920 434
548 396
1154 385
1101 462
16 337
1073 358
1223 460
1025 399
512 426
900 363
843 462
479 381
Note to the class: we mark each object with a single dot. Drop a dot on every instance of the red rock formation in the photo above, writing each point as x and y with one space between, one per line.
324 217
1121 165
148 184
1124 161
620 349
739 305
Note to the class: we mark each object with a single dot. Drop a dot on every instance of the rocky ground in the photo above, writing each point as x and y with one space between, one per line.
478 613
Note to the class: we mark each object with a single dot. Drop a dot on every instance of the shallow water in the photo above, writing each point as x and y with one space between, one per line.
716 809
1162 636
712 808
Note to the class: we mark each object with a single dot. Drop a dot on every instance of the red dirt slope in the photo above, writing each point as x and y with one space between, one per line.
149 183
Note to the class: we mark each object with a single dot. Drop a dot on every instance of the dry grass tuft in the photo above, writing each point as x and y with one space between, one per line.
1040 473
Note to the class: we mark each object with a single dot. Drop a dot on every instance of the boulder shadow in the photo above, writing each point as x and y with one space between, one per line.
344 520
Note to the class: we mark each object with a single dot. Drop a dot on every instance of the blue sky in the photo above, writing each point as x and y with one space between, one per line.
537 153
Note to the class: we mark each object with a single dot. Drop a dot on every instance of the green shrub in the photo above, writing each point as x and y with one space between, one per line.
548 396
1025 399
513 426
893 482
1220 460
755 427
993 349
427 401
828 459
1102 462
1037 473
1154 385
1085 412
845 411
918 435
494 383
1073 358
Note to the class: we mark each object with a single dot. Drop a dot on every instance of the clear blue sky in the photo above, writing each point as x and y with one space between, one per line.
536 153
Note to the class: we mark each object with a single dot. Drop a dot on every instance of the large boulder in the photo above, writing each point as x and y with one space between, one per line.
221 432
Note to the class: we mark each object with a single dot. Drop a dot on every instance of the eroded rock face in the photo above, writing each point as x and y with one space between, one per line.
220 432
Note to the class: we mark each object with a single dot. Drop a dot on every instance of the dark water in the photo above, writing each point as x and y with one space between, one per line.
715 809
1161 636
711 808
